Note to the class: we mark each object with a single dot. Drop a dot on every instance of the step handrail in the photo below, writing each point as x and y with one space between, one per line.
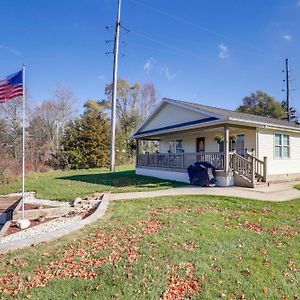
260 166
242 166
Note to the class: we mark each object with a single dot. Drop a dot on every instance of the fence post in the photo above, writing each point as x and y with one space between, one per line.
182 161
265 168
168 160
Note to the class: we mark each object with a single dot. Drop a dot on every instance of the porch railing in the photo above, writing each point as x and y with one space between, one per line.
260 166
242 165
250 166
179 160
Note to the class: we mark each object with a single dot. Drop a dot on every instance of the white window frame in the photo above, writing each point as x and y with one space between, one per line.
282 145
173 147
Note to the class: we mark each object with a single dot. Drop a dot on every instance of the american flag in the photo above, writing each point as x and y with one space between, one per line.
11 87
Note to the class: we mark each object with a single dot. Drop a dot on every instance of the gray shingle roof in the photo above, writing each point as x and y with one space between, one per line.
239 115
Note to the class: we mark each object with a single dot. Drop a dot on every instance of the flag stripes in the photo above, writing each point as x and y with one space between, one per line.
11 87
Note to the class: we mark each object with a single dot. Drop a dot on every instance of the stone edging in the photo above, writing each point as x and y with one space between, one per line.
50 236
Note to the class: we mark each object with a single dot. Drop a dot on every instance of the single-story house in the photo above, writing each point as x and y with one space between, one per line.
244 148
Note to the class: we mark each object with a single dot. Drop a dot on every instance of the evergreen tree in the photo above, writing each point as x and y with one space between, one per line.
86 140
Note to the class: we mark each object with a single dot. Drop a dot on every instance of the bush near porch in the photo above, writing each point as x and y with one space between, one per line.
199 247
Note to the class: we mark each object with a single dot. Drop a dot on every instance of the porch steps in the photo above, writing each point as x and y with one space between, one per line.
242 181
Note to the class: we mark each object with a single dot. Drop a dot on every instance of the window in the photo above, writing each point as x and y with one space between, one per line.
281 145
232 145
179 148
176 146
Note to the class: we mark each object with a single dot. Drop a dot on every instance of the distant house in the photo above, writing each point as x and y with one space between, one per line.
244 148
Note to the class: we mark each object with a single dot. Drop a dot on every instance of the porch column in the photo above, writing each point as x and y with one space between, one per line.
137 152
226 148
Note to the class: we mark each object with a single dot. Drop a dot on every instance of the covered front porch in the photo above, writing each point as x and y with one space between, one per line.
230 149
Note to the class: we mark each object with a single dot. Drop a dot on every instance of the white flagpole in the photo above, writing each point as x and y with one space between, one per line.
23 147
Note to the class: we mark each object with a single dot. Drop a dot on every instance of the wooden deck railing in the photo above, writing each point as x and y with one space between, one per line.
250 166
242 165
179 160
260 166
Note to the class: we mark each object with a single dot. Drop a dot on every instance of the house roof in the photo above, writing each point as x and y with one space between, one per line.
230 114
216 115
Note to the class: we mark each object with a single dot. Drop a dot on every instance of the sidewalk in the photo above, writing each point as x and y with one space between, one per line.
275 192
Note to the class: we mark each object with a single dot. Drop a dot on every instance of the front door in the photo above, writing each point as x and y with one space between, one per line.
200 148
200 145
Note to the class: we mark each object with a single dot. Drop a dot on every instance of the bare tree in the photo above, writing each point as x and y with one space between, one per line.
48 121
147 99
11 112
65 104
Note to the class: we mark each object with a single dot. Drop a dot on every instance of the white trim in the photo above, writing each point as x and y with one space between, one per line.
179 129
267 126
195 109
151 115
281 146
174 102
221 119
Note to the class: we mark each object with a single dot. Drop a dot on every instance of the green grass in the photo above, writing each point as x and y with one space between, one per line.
67 185
209 247
297 186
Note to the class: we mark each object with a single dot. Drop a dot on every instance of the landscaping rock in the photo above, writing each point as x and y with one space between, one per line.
41 219
22 224
77 201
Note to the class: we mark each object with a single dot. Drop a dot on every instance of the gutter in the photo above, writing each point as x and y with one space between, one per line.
266 126
181 129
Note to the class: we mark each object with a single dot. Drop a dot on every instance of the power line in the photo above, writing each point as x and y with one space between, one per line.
171 47
248 46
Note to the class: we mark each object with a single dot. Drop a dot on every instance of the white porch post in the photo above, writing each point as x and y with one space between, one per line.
137 152
226 148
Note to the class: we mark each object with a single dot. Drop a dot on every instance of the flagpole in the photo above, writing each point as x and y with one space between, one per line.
23 146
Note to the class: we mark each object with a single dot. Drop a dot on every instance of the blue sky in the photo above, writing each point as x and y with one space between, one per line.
211 52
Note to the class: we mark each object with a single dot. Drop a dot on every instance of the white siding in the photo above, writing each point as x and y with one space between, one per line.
250 139
189 141
171 115
279 166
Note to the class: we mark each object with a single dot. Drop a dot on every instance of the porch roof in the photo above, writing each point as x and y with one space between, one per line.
215 117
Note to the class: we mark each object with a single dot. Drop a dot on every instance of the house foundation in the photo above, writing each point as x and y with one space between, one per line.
222 179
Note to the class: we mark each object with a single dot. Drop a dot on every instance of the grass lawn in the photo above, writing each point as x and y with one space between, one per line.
192 247
297 186
67 185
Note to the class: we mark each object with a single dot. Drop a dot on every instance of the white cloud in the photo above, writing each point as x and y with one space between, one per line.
149 64
287 37
298 3
169 75
101 77
224 52
11 50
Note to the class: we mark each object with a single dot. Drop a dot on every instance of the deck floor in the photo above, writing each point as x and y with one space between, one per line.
7 206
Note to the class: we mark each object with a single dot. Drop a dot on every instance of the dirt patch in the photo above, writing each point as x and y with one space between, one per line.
14 229
33 206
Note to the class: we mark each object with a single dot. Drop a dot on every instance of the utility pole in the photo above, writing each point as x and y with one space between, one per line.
114 91
287 79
